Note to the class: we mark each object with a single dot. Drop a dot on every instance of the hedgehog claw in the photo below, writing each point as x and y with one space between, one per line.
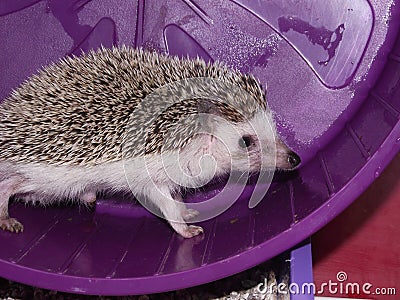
11 225
91 205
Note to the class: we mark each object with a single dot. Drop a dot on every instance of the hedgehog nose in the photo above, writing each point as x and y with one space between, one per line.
293 159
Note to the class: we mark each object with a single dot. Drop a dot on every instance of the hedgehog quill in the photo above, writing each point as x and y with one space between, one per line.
64 131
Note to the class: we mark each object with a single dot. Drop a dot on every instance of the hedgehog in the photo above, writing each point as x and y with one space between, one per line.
81 126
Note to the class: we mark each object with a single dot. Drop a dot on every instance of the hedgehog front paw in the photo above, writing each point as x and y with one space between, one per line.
12 225
186 231
191 231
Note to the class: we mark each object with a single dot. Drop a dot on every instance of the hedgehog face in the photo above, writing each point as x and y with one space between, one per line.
250 146
264 146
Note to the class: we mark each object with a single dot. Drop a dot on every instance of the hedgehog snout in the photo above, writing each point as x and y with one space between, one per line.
286 159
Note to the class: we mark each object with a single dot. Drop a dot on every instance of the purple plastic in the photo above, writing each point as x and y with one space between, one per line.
301 273
333 74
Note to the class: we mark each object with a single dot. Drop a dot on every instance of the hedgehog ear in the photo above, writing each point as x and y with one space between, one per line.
206 106
209 113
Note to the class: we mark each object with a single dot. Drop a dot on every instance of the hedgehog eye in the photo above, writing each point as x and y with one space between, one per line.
246 141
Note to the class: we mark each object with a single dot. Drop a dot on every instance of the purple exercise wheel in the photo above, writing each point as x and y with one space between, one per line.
333 75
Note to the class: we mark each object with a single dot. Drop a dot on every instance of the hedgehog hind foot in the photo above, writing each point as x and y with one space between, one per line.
11 224
8 188
89 198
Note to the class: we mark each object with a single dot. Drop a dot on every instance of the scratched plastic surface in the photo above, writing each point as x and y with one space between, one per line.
332 70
